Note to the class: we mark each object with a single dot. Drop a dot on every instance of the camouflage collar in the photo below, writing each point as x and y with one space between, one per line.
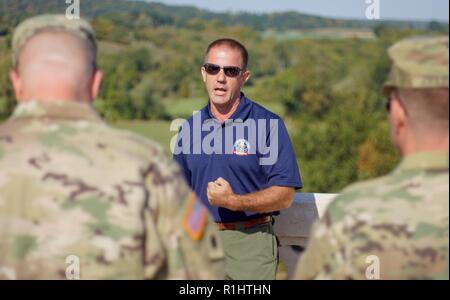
425 160
56 110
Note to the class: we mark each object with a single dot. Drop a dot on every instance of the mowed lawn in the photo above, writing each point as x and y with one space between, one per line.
156 130
184 107
159 130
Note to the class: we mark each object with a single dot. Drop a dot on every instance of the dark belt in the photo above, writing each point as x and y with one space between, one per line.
244 224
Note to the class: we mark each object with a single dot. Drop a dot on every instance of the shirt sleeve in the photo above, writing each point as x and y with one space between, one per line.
280 164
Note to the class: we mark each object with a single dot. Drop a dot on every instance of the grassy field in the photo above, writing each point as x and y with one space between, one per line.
320 33
156 130
183 108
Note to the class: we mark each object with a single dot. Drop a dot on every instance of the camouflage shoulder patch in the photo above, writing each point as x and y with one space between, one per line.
195 218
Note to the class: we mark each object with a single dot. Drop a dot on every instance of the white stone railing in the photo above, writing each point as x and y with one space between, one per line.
293 224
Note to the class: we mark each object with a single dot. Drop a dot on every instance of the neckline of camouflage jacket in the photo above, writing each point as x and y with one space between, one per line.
437 160
56 109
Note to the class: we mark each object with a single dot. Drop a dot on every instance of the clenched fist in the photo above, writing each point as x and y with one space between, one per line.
221 194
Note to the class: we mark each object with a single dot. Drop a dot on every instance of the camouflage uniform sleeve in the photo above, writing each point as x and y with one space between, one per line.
181 240
323 257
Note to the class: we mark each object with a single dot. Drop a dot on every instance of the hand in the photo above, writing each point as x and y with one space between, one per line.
220 194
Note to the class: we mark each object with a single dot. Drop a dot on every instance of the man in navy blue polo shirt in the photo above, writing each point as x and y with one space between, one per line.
238 158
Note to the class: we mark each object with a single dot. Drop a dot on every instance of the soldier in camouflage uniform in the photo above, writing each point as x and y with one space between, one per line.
78 197
396 226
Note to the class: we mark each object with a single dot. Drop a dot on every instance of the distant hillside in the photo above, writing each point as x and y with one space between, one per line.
157 14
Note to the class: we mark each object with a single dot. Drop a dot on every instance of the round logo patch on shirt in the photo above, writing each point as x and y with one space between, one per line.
241 147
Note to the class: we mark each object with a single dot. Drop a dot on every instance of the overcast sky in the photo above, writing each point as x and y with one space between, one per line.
389 9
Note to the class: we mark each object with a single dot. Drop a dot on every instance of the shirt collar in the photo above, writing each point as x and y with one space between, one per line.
242 111
437 160
56 110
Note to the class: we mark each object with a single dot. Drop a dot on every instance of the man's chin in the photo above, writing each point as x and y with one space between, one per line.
219 100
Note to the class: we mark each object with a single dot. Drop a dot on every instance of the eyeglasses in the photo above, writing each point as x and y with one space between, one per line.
229 71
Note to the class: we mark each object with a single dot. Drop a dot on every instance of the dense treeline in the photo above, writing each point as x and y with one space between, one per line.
329 88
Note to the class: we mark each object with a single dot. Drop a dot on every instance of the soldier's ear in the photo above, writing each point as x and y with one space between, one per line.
17 84
398 112
96 84
398 120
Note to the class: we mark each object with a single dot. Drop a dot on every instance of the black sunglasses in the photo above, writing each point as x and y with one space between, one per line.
229 71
